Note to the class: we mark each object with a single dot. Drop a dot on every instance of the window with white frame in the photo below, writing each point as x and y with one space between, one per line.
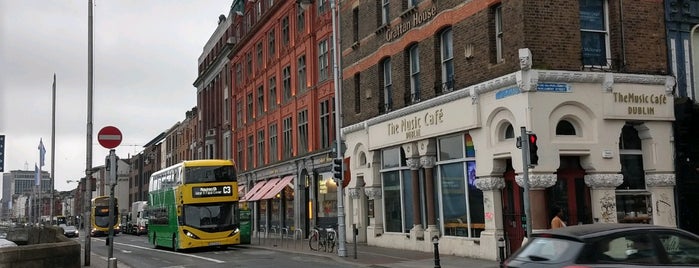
261 147
498 34
249 110
251 146
385 8
259 56
301 69
273 143
412 3
323 60
324 124
302 132
287 142
272 93
460 202
239 114
396 182
240 161
447 53
286 82
414 73
300 19
594 33
271 44
387 85
260 100
285 31
238 75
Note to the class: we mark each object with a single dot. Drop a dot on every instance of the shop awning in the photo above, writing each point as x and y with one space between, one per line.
241 189
252 191
265 188
278 187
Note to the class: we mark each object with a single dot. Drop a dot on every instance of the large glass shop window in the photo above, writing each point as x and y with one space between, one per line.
461 204
327 200
397 191
632 199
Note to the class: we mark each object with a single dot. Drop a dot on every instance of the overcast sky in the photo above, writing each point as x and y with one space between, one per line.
145 61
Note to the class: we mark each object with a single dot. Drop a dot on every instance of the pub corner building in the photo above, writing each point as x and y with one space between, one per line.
449 167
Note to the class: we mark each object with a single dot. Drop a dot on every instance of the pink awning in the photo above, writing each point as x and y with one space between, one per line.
263 191
253 191
278 187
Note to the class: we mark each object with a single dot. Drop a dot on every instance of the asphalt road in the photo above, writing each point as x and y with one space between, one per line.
134 251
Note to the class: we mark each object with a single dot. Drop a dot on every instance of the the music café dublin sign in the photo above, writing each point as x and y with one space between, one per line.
417 19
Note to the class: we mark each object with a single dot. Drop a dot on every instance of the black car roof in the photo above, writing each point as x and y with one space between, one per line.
586 231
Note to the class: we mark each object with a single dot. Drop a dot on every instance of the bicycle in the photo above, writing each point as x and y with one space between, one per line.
322 239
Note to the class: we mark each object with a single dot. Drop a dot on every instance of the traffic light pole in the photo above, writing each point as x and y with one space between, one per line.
341 249
524 136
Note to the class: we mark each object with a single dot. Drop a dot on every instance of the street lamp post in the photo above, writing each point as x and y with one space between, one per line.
341 232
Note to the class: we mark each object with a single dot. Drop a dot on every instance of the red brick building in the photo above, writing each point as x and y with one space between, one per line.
265 99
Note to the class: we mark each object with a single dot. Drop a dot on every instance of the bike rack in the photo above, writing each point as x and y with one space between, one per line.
298 231
283 231
261 229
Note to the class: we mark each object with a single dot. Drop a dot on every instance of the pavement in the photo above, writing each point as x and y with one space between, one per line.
366 256
375 257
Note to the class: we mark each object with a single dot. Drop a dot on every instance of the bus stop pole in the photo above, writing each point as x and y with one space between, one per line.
112 182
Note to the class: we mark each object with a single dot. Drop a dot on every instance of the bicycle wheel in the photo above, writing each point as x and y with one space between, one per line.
323 243
313 240
331 242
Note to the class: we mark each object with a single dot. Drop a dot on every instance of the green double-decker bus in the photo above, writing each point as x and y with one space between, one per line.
194 204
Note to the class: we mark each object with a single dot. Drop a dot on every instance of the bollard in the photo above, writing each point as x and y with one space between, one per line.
435 241
501 247
355 232
112 263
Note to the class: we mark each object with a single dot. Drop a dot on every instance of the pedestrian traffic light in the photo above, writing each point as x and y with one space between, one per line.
533 157
337 169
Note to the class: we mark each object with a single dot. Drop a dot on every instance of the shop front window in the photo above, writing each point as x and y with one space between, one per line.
397 191
632 197
462 212
327 200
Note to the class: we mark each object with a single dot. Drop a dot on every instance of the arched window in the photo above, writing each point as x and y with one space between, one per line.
509 132
631 201
564 127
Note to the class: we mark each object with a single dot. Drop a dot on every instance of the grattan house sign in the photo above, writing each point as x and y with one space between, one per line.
415 20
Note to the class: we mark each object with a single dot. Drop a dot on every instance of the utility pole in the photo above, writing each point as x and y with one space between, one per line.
88 162
341 249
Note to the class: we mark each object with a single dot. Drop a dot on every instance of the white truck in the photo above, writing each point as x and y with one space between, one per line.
137 219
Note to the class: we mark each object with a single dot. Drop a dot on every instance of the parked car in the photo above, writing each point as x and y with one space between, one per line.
70 231
608 245
4 243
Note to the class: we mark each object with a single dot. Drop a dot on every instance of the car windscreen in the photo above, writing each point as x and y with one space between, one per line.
549 250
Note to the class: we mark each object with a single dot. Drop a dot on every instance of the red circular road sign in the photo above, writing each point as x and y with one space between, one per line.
109 137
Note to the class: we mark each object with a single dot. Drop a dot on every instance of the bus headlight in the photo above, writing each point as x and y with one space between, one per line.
235 231
190 234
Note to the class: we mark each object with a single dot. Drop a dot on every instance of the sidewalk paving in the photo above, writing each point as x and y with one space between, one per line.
373 256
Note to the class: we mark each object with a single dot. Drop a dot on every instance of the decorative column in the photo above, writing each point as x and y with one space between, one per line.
603 196
356 196
417 231
375 227
537 197
428 163
492 207
661 188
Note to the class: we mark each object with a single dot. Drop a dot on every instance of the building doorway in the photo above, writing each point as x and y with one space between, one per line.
570 193
513 211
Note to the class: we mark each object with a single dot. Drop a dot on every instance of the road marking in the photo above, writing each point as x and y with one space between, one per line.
170 252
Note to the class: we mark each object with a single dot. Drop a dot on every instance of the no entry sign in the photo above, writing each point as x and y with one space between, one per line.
109 137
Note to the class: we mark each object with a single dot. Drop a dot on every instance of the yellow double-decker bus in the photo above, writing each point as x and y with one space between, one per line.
99 216
194 204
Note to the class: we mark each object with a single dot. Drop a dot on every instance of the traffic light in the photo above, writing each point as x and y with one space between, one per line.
337 169
533 157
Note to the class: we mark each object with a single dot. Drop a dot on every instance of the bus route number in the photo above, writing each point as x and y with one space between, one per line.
212 191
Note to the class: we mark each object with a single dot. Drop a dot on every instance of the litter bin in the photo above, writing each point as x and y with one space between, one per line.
245 226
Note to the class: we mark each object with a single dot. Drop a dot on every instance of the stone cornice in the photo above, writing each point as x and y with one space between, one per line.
660 180
510 80
604 180
490 183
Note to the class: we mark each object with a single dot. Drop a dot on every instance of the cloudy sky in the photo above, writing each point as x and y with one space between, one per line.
145 61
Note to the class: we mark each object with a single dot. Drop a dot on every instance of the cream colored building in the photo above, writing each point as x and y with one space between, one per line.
605 149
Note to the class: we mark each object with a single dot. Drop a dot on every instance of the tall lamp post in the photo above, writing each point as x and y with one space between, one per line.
341 249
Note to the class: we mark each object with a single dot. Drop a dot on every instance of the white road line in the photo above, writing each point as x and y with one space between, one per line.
170 252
